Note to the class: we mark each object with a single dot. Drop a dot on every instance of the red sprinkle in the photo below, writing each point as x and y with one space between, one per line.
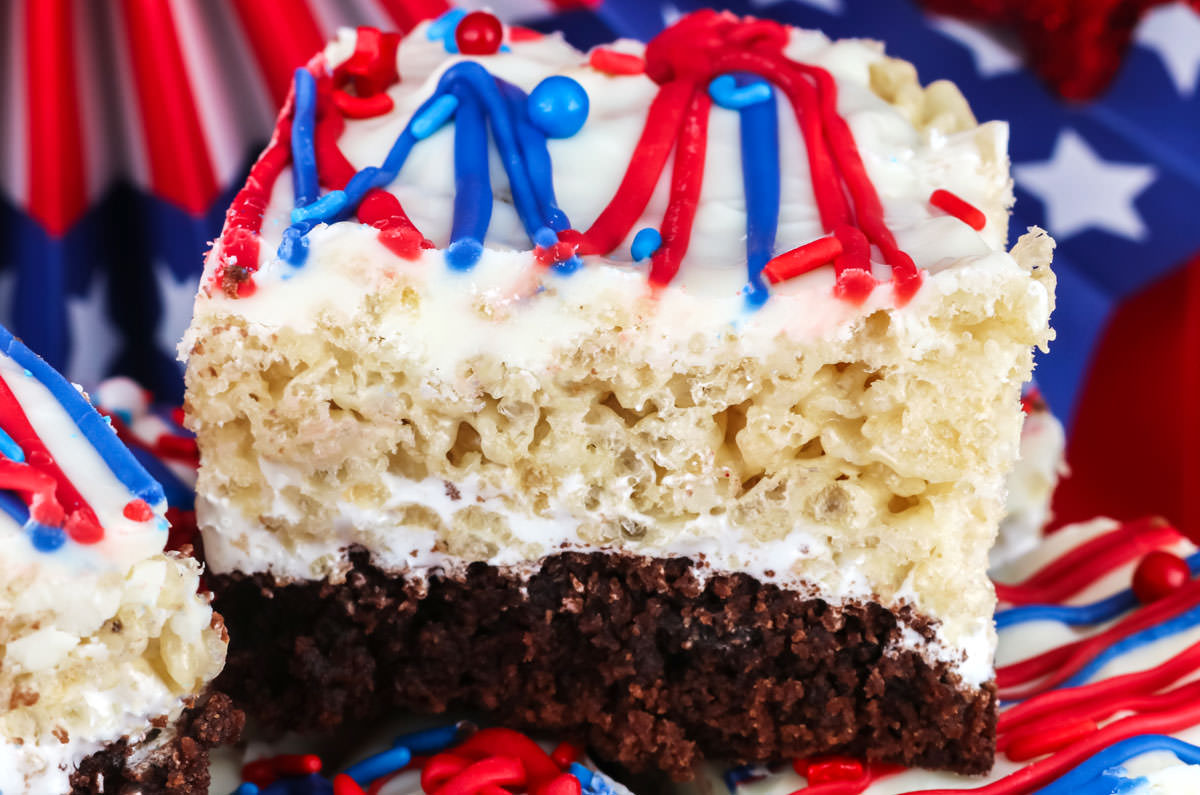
518 33
565 753
138 511
479 33
969 214
612 62
506 743
802 259
566 784
1159 574
344 785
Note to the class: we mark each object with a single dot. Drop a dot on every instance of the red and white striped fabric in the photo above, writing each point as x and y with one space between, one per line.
168 66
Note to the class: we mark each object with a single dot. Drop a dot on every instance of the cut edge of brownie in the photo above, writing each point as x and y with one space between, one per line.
176 765
641 659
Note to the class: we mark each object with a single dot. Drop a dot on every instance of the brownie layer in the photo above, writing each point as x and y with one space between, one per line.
635 657
179 767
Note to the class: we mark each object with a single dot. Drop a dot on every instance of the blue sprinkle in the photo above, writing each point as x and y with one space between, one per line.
558 106
380 764
645 243
463 253
545 237
246 789
10 449
726 92
304 155
323 209
46 538
444 26
557 220
429 741
580 772
433 117
568 266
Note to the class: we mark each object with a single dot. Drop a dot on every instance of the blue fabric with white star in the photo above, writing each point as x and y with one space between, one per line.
1116 181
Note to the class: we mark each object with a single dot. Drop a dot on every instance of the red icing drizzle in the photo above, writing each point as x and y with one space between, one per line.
53 499
682 60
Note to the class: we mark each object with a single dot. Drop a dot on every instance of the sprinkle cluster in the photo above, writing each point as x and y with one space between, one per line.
705 58
452 760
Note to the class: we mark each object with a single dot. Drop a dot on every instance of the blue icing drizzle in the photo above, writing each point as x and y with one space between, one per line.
472 183
760 174
304 155
10 449
1089 772
1076 615
93 427
497 105
1184 621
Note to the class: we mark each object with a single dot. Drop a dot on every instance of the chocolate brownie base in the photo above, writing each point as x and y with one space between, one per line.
632 656
178 767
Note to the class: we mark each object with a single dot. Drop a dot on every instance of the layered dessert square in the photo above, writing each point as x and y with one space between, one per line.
658 396
106 645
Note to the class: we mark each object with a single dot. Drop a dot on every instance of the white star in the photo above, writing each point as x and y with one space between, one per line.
1081 191
992 57
1173 31
834 7
177 299
93 340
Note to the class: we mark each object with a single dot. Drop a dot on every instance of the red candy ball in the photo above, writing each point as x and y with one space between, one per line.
479 33
1159 574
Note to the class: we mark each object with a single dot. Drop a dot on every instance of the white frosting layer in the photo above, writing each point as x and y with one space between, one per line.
905 164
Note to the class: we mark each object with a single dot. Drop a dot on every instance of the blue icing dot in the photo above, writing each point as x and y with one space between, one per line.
558 106
293 248
464 253
246 788
10 448
568 266
645 243
545 237
46 538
